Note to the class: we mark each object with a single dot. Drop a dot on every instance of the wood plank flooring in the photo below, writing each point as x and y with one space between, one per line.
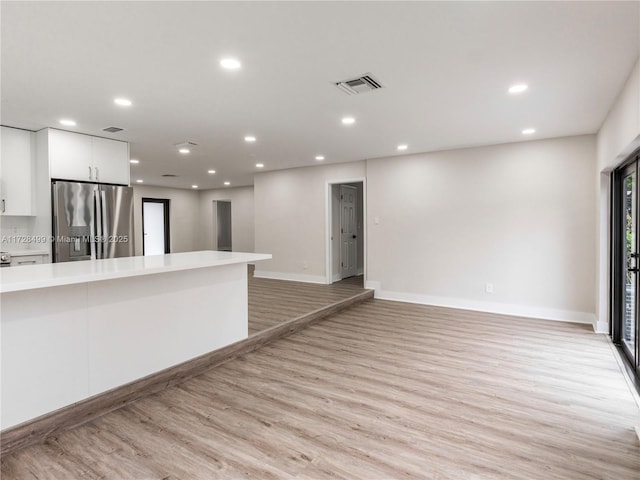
383 390
311 304
272 302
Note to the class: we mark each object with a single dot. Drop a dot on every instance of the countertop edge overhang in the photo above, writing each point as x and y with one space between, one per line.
21 278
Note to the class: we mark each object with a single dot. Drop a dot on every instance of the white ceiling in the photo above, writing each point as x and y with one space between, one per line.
446 67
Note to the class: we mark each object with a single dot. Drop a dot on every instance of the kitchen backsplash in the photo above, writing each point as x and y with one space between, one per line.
17 233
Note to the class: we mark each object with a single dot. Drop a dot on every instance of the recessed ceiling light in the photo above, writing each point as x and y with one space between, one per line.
403 147
259 165
249 138
133 160
348 120
230 63
184 151
123 102
139 181
67 122
528 131
319 157
194 186
211 172
227 183
519 88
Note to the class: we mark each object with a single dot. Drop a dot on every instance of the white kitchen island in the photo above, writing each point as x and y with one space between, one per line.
73 330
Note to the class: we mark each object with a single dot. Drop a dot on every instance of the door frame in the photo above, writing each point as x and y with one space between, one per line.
327 225
167 227
616 266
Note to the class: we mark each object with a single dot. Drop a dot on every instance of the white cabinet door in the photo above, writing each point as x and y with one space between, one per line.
110 160
16 172
70 156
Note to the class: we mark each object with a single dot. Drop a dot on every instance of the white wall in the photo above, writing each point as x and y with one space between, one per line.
622 125
519 216
242 218
290 219
618 137
184 216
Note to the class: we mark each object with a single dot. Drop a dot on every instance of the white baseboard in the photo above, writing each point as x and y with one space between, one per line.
360 271
293 277
480 306
601 327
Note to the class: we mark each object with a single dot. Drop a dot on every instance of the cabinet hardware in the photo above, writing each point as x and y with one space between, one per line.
3 206
90 174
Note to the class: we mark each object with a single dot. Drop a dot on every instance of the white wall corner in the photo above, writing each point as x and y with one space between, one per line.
336 277
292 277
372 285
601 327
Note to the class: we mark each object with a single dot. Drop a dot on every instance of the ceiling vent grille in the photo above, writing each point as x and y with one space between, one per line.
112 129
169 175
355 86
186 144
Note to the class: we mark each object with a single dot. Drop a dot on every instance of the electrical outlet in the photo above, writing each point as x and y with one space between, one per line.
488 288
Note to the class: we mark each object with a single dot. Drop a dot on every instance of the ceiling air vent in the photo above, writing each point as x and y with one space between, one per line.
112 129
169 175
358 85
186 144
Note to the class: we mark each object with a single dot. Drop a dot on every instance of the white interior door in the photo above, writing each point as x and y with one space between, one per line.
153 214
348 231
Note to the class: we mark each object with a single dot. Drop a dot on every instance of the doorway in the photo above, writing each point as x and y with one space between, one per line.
155 226
345 224
222 239
626 262
348 231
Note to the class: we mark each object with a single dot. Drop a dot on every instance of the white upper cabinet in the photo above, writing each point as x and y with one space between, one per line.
110 161
73 156
17 172
70 156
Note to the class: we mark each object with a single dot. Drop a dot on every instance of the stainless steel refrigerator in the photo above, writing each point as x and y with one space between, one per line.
91 221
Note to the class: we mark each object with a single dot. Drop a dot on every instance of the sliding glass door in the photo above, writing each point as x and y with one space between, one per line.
626 262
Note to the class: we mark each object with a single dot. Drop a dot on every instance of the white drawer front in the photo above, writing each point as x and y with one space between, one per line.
27 260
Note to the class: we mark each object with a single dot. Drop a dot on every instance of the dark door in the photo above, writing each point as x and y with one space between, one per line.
626 263
224 226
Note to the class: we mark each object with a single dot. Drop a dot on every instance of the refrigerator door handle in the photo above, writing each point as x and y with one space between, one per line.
96 245
106 231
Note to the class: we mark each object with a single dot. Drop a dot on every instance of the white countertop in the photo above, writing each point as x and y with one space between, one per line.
22 253
14 279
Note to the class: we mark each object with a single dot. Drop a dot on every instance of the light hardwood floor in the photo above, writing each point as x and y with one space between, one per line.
272 302
382 390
